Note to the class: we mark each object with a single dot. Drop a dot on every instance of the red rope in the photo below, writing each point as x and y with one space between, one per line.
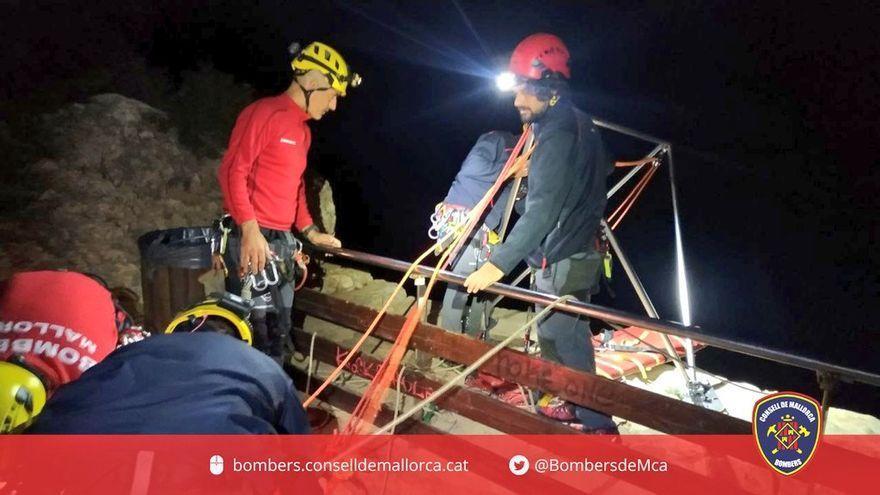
477 216
303 261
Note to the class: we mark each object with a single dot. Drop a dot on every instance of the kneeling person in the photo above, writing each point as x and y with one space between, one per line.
54 325
198 382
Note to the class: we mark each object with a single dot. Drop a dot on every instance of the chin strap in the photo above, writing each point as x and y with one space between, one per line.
307 93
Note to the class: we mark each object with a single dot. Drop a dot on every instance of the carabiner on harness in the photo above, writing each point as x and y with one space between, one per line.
445 220
220 237
263 280
222 227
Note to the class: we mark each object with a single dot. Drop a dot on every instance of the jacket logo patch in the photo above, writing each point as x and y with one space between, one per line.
288 141
787 427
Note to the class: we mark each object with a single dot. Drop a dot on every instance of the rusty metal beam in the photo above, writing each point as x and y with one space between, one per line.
640 406
345 400
619 317
473 405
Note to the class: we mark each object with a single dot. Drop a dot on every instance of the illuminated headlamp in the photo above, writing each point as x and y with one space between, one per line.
506 81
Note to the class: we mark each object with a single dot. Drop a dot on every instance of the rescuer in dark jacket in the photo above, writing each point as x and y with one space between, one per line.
479 171
180 383
565 203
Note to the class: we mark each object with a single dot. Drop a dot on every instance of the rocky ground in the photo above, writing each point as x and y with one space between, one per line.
113 169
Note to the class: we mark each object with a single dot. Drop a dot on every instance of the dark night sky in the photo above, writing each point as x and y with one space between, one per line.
771 108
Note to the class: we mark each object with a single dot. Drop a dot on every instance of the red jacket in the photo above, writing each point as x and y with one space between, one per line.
60 323
261 173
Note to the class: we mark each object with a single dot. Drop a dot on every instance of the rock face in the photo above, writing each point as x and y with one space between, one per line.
359 287
114 169
319 196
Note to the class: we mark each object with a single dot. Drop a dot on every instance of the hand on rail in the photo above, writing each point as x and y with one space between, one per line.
487 275
322 239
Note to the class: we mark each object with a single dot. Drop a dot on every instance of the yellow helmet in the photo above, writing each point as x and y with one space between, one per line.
22 396
321 57
228 308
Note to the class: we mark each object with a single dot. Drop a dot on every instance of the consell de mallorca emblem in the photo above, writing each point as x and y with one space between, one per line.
787 426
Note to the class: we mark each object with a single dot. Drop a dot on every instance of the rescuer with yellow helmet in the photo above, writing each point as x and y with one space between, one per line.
324 59
54 325
261 177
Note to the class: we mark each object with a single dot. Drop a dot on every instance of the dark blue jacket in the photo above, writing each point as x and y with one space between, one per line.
567 191
479 171
179 383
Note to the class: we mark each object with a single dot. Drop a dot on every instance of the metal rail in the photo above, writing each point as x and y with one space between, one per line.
630 132
619 317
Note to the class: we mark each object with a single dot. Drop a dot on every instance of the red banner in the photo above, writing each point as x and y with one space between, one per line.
425 464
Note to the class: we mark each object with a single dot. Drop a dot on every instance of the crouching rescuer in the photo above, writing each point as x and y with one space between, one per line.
261 177
54 325
204 378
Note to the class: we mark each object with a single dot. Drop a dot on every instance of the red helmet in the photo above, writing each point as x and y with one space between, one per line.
539 56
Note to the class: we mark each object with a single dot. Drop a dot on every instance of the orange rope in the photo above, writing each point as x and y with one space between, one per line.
643 161
371 401
640 187
487 198
629 198
625 205
335 373
368 407
303 262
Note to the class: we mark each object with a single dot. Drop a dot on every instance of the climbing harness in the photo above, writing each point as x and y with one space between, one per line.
448 219
280 267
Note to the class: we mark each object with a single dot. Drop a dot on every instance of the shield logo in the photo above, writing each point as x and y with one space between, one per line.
787 426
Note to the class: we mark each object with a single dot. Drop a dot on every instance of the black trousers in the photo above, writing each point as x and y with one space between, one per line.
565 338
463 312
271 316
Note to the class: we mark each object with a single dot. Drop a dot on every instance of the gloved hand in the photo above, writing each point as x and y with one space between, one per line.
487 275
321 239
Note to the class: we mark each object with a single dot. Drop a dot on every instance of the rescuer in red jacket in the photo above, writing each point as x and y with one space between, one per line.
261 177
54 325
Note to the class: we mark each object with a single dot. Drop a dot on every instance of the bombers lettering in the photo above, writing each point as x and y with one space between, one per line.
64 344
52 329
67 355
787 464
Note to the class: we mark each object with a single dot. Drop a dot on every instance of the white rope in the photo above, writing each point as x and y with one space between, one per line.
311 360
527 395
397 400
